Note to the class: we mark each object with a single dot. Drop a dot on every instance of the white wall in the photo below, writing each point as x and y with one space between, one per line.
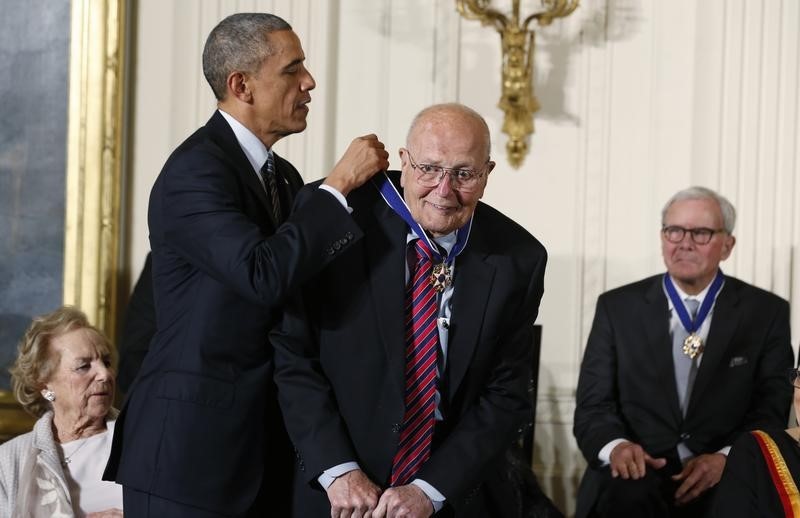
640 98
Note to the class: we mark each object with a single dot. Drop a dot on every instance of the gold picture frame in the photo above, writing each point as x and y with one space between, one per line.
93 174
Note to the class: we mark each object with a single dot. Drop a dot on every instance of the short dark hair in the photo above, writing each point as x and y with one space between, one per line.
238 44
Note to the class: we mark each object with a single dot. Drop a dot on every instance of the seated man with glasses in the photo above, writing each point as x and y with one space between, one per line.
404 377
763 471
676 367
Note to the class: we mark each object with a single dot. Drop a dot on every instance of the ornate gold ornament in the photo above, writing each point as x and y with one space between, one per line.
94 159
517 101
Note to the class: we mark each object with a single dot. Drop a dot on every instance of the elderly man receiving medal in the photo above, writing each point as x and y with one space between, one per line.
405 378
676 367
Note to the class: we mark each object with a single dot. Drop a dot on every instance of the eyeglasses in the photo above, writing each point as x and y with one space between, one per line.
794 377
700 235
460 179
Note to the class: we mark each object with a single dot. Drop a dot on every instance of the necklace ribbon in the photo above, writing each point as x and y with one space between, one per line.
693 345
393 199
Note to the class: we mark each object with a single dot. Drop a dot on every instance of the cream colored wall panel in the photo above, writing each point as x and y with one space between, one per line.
557 462
768 240
363 53
151 118
595 76
536 194
310 151
411 53
447 55
632 122
790 149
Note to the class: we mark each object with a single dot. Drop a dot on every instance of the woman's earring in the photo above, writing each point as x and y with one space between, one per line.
49 395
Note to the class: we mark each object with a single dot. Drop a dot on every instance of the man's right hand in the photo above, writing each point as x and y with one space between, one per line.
629 461
364 157
353 495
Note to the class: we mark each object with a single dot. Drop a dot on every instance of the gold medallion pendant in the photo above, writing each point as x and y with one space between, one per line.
441 277
692 346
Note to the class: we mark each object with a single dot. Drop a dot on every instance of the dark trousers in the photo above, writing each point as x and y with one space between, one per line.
137 504
651 496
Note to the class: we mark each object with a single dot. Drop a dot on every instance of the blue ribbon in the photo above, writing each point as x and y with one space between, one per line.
395 201
705 308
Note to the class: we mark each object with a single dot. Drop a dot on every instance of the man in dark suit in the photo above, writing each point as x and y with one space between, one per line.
675 368
138 328
201 429
349 371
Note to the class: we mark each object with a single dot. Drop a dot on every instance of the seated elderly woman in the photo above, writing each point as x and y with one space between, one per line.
63 376
763 471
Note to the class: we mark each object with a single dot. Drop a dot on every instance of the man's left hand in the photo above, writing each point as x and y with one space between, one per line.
699 475
407 501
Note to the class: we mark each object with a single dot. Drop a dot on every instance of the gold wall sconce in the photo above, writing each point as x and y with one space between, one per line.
517 100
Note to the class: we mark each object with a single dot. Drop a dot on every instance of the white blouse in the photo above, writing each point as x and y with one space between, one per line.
84 472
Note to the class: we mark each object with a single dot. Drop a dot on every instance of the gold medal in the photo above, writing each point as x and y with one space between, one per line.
692 346
441 277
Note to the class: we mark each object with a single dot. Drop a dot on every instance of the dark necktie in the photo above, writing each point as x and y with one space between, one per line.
685 367
422 351
271 185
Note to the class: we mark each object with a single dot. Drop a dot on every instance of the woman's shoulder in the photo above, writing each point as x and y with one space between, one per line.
20 441
774 434
41 435
14 452
759 442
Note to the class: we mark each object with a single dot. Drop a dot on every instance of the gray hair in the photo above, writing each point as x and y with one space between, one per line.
703 193
36 361
238 44
453 107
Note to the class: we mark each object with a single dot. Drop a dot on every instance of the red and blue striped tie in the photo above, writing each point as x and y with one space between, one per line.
422 351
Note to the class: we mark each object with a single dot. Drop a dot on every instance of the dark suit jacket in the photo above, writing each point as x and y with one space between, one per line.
198 422
627 386
340 370
138 328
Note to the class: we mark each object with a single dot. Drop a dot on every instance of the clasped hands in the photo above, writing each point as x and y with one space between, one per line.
354 495
630 461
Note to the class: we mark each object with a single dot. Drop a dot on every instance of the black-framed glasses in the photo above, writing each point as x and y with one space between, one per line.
429 175
700 235
794 377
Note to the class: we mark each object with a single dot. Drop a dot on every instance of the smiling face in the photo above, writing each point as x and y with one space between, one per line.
280 90
694 266
83 381
451 138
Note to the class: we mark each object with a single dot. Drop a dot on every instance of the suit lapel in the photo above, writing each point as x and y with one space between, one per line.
226 139
655 318
473 283
385 251
289 182
724 322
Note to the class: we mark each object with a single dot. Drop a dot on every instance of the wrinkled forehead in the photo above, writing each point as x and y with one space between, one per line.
448 139
695 212
81 342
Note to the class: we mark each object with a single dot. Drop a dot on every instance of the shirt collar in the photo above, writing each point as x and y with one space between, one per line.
700 297
447 241
255 150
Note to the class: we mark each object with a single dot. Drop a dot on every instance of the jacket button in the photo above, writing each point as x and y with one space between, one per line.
396 428
685 436
329 251
349 235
